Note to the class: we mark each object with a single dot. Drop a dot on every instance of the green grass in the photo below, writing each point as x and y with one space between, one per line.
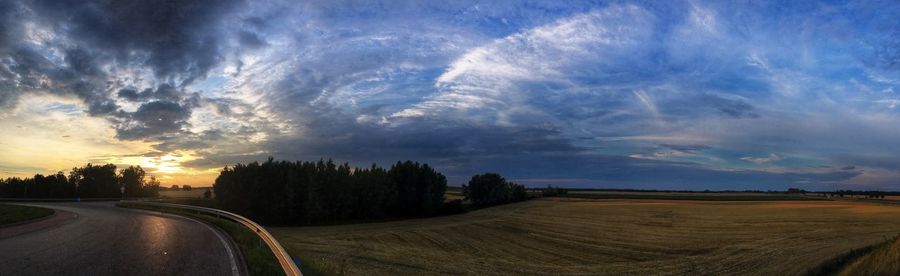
18 213
257 255
703 197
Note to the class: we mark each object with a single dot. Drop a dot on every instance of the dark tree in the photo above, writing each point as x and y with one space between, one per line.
281 192
151 188
491 189
517 192
96 181
132 178
88 181
420 189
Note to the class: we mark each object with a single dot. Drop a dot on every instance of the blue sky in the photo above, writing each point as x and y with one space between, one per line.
609 94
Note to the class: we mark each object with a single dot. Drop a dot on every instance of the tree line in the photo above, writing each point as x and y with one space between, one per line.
490 189
89 181
851 193
304 192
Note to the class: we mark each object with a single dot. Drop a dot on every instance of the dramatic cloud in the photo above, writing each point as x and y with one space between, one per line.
673 94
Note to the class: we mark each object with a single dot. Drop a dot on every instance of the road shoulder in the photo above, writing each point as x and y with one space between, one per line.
238 264
59 217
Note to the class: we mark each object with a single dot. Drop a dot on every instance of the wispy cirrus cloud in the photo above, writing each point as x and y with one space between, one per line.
691 94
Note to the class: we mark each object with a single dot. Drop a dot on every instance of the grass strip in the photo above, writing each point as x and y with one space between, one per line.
257 255
17 213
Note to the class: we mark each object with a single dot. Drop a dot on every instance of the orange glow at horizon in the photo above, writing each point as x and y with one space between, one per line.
45 134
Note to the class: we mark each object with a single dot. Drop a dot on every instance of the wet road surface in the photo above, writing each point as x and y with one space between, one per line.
107 240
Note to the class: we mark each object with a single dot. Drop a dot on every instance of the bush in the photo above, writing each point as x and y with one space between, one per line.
452 207
492 189
552 191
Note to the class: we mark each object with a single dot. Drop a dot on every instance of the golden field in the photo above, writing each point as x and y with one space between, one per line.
588 236
883 260
193 193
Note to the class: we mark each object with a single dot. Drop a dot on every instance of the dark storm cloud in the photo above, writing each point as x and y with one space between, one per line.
27 70
179 40
626 172
881 161
632 94
82 46
163 92
251 40
152 119
200 140
82 62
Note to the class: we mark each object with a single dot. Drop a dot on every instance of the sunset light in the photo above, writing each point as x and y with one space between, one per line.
461 137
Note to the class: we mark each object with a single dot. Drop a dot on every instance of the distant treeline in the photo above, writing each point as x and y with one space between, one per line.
866 194
90 181
673 191
302 193
788 191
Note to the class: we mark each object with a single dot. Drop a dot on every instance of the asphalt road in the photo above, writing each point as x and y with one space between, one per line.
107 240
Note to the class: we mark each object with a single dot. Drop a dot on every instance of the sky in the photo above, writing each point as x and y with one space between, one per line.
685 95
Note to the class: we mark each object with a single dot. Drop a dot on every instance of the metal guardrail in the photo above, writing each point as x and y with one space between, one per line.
287 264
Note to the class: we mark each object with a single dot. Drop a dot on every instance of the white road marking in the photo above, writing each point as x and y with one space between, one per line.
234 268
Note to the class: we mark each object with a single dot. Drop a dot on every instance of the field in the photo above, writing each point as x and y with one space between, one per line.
589 236
18 213
689 196
880 261
193 193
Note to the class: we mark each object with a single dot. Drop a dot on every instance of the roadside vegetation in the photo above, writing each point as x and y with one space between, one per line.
257 255
90 181
10 213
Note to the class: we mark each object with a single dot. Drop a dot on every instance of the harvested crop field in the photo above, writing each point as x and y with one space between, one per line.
690 196
588 236
193 193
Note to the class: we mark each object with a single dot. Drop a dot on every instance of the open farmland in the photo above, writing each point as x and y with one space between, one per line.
193 193
588 236
736 196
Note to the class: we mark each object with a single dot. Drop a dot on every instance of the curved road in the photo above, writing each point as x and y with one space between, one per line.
107 240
